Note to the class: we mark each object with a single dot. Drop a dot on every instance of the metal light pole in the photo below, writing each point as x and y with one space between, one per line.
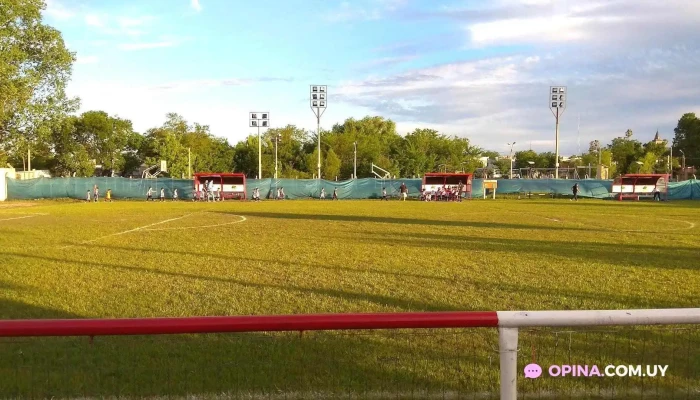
259 120
557 105
531 164
318 100
354 169
276 139
511 160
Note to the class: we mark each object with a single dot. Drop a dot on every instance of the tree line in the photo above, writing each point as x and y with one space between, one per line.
38 125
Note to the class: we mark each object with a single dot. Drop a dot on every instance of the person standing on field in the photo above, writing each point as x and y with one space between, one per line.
404 191
97 193
323 193
384 196
149 194
162 194
574 189
175 194
335 193
108 196
88 196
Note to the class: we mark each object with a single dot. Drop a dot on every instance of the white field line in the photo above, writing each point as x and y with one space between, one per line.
200 226
129 231
23 216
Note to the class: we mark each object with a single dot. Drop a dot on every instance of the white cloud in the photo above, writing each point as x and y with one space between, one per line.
87 59
196 5
368 10
146 45
57 10
94 20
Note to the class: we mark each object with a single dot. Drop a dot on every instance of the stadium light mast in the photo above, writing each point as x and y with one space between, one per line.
557 105
259 120
318 99
511 159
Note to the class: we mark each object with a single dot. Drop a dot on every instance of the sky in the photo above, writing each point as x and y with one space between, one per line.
475 69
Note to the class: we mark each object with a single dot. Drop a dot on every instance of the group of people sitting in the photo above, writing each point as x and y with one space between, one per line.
446 193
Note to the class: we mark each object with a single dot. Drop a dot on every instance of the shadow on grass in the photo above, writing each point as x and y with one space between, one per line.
389 364
401 221
619 254
244 259
408 305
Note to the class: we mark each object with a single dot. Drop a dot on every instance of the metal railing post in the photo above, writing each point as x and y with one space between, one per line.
508 351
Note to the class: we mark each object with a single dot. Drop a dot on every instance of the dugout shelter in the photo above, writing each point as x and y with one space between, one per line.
434 180
635 186
230 185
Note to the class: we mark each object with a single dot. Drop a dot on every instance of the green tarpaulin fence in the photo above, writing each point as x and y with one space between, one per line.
369 188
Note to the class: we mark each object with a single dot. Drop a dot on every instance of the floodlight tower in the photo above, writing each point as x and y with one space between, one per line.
557 104
511 159
259 120
318 99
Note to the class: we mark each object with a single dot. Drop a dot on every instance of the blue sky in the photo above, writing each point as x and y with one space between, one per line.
479 69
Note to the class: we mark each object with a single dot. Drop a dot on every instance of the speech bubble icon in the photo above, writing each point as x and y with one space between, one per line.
533 371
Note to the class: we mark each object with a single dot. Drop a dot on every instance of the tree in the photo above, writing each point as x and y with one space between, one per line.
625 151
331 165
35 66
523 158
687 138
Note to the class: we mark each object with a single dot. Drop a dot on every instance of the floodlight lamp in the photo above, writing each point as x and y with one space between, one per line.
253 123
264 116
554 97
264 123
314 96
323 104
562 89
254 116
314 89
561 97
555 90
554 104
323 97
315 103
323 88
561 105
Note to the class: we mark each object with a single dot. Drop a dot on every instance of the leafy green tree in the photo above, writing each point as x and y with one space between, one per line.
687 138
35 67
625 152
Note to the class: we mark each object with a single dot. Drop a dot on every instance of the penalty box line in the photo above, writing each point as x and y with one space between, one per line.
128 231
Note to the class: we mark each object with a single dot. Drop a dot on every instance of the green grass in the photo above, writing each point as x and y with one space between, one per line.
348 256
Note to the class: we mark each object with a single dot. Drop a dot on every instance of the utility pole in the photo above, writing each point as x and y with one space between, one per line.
276 139
189 162
511 160
683 164
354 169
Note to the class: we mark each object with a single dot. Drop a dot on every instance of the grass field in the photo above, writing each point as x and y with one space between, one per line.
138 259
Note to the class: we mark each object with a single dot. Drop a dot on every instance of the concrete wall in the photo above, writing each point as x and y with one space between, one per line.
5 174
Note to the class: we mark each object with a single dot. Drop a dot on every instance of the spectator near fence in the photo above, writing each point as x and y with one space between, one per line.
404 191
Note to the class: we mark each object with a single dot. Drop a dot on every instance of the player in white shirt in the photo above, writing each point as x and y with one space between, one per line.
149 195
323 193
162 194
175 194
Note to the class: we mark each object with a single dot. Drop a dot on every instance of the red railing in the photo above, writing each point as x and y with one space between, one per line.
318 322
